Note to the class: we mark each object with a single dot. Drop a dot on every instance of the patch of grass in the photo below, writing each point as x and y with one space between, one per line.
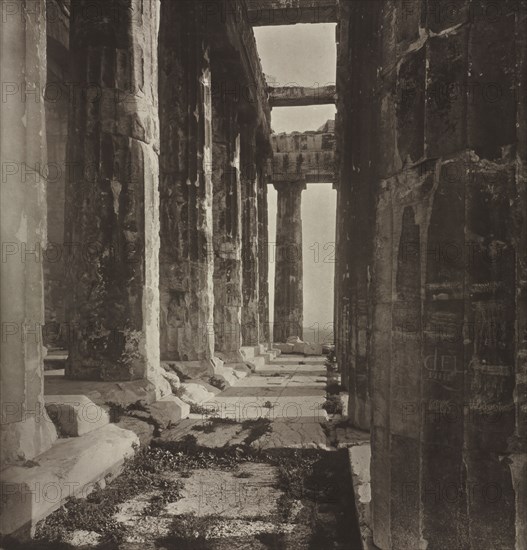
314 478
143 473
332 405
212 424
293 473
332 367
170 492
257 428
189 456
189 532
200 409
331 357
116 410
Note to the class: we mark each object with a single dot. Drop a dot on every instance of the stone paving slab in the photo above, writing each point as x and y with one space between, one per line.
222 497
280 434
295 392
247 492
294 435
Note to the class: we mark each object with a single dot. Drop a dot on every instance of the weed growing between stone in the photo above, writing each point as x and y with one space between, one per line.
315 485
142 474
332 404
199 409
210 425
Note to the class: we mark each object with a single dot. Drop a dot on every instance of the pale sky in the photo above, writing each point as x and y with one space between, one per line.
305 55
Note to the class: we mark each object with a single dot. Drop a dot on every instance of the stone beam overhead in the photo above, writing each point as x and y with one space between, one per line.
290 12
235 49
307 157
299 96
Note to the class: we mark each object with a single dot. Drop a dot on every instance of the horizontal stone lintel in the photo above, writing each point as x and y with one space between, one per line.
291 12
235 52
299 96
306 179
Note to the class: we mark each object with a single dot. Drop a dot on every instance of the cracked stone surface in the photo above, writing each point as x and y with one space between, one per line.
288 393
244 473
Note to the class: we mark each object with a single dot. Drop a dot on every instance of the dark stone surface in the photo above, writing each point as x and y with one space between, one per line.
250 268
446 345
227 215
111 220
186 256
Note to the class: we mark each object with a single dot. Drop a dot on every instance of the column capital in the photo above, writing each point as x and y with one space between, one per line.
299 186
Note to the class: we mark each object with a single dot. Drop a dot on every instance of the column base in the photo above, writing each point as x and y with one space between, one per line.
21 441
210 372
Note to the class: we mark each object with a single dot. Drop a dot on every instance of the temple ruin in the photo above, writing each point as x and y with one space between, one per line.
137 152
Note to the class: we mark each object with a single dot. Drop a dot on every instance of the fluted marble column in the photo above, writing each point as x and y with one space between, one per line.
112 201
187 261
25 429
227 229
263 257
249 174
288 301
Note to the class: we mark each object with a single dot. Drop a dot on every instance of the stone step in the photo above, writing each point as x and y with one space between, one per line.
75 415
270 355
231 373
71 467
258 362
55 360
301 348
249 352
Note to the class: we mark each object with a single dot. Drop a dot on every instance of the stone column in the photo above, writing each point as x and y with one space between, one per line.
249 174
518 464
57 105
227 229
289 291
263 257
112 201
448 345
26 431
186 276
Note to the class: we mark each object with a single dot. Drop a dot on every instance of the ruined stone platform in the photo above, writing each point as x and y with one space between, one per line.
72 467
242 474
